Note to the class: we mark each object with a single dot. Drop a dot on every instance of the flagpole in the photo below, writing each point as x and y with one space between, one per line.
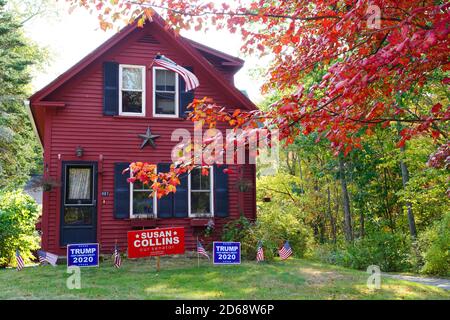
198 256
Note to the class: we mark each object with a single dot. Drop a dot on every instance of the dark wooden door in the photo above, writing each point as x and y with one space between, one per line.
79 203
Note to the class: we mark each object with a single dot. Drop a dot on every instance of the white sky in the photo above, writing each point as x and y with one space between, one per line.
70 37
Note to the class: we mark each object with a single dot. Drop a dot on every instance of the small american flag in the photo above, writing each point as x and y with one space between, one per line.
201 250
190 78
260 252
20 263
117 258
47 257
285 251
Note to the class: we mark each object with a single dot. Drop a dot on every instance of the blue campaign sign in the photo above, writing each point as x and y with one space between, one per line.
82 255
227 252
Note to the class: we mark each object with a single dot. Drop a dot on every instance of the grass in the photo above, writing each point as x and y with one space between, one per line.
180 278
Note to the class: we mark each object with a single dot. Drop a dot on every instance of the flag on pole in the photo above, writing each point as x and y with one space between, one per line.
260 252
201 250
117 258
189 78
285 251
47 257
20 263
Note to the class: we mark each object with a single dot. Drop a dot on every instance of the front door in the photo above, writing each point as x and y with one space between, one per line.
79 203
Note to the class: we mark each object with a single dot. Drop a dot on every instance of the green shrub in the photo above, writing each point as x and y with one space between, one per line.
18 215
273 228
243 231
276 224
390 252
435 245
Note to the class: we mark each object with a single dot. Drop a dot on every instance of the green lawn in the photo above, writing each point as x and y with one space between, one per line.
180 278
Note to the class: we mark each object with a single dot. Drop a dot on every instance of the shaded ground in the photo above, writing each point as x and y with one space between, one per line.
180 278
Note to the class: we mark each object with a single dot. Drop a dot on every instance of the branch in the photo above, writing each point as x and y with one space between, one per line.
236 14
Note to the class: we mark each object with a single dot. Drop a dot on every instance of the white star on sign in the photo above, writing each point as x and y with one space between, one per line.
137 236
174 233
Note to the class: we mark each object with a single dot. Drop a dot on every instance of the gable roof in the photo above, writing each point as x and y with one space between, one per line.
228 60
190 46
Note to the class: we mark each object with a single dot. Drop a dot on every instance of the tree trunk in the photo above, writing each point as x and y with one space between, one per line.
405 179
301 174
361 224
345 202
330 215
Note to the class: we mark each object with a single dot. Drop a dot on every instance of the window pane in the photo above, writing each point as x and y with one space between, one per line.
165 103
142 204
77 215
79 184
137 185
200 202
205 182
132 101
132 78
165 80
195 179
198 181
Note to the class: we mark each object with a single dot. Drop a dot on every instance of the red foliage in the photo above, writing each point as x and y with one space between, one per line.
365 65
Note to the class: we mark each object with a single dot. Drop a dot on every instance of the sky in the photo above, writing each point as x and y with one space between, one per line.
69 37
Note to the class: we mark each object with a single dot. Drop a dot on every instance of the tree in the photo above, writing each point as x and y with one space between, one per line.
370 57
19 151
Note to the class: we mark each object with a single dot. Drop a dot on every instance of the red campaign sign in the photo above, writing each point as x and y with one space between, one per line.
155 242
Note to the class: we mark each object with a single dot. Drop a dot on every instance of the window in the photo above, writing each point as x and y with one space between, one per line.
141 204
132 90
200 193
78 198
79 189
165 93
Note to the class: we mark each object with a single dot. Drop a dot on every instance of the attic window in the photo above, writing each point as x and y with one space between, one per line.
132 90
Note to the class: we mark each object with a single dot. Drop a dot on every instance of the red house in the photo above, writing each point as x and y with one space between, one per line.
91 121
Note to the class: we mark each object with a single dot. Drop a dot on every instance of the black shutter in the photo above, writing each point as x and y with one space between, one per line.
221 204
110 88
165 204
121 191
185 98
181 198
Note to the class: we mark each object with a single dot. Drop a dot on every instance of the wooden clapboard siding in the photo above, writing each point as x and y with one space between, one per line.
112 139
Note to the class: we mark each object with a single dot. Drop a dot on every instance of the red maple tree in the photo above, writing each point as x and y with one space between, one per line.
363 56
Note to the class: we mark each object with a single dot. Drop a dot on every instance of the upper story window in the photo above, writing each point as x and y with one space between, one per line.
132 90
165 93
200 193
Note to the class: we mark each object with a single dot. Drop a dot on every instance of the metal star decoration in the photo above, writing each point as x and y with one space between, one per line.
148 138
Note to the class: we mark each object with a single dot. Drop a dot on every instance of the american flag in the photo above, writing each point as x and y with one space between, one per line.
47 257
260 252
117 258
201 250
190 78
20 263
285 251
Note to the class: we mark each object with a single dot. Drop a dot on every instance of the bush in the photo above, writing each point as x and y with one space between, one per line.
18 216
390 252
273 228
434 244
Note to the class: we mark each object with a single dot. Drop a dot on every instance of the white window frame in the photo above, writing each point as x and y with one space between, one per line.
143 70
177 94
143 215
211 199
